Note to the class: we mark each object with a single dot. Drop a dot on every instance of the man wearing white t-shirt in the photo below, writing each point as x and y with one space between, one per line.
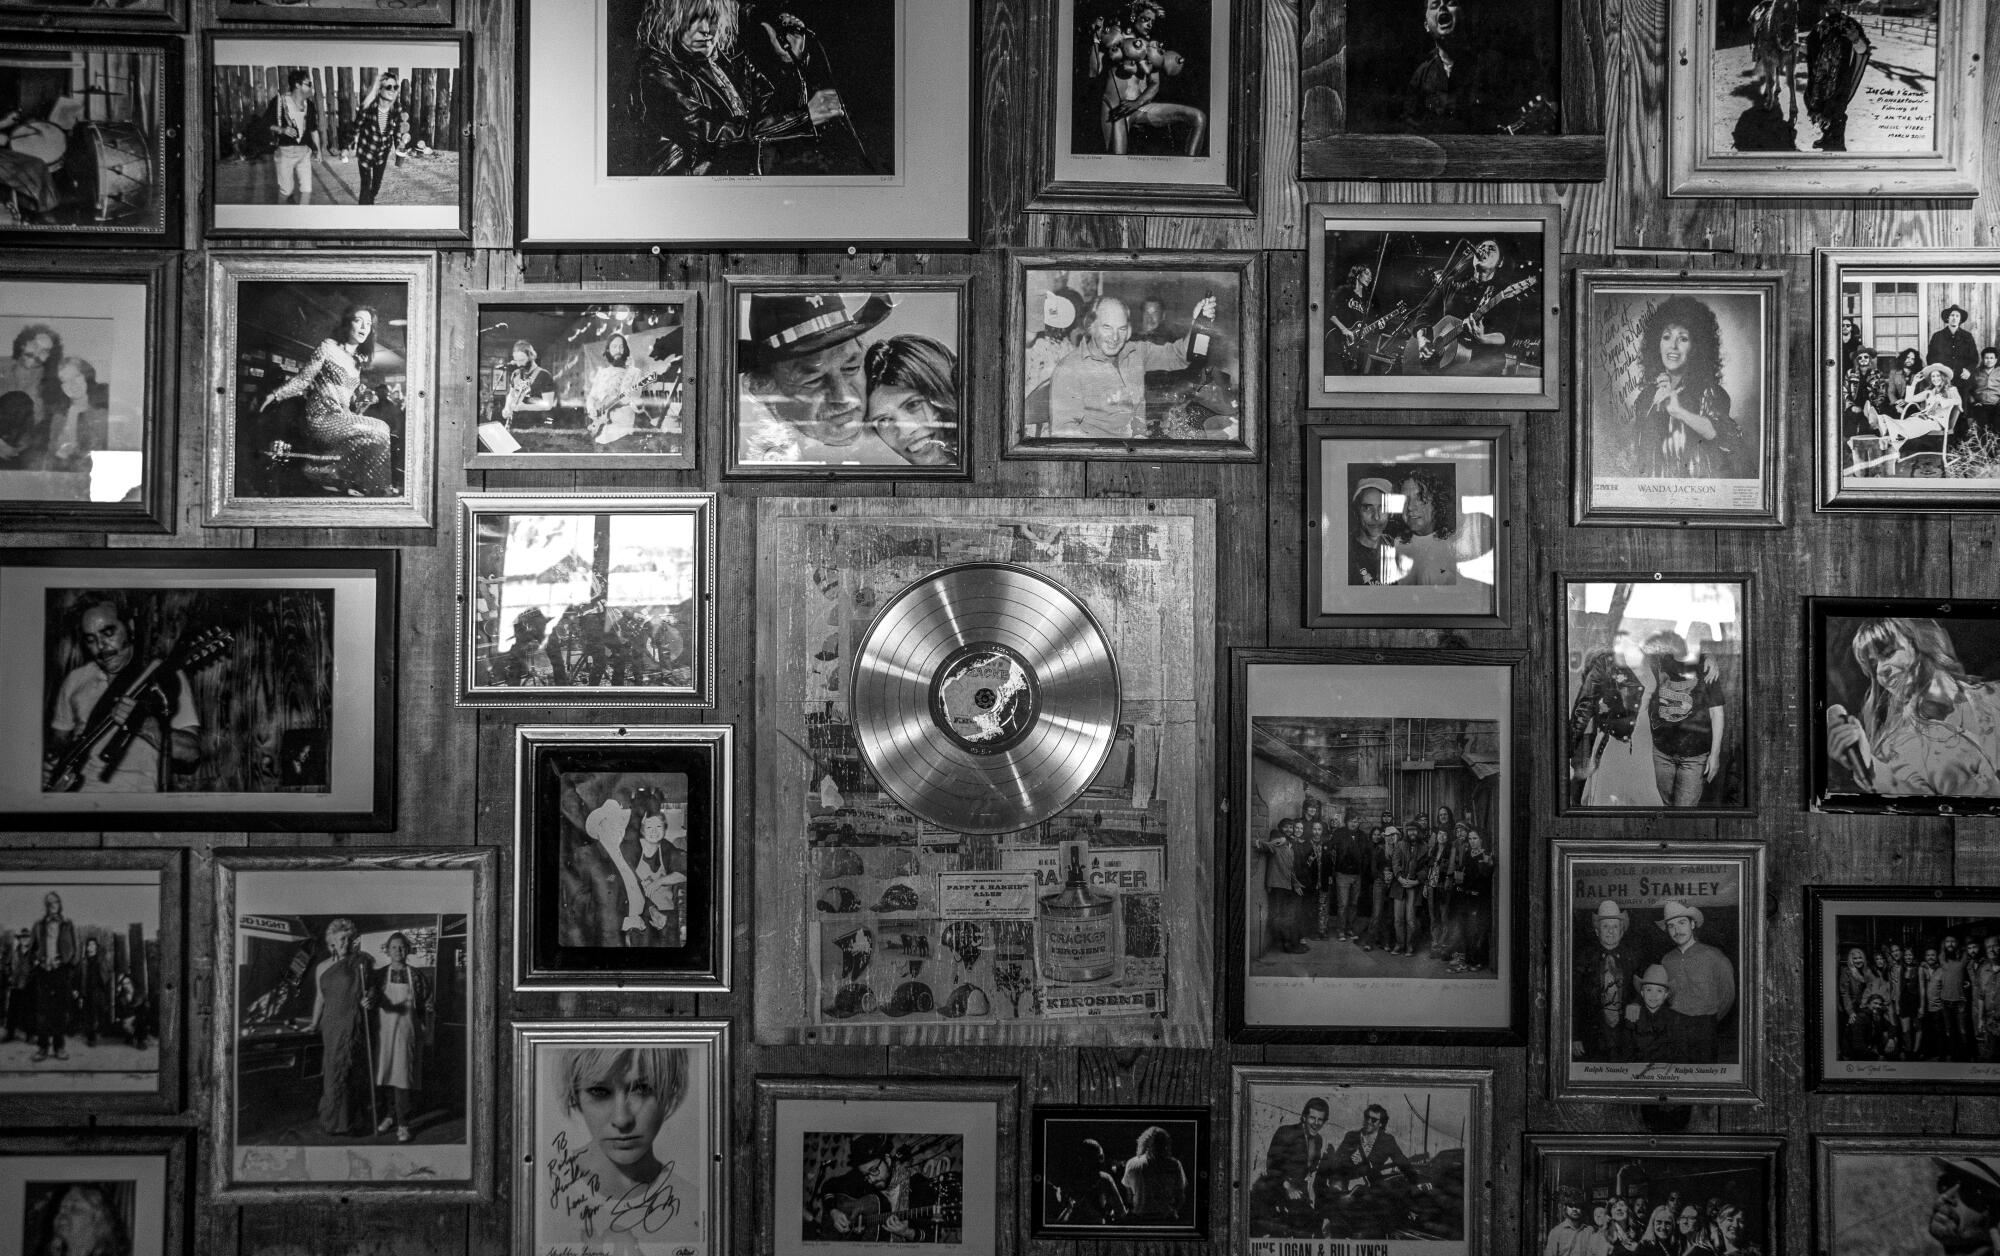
111 684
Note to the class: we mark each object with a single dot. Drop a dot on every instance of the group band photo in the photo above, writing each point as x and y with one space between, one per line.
1650 1197
1918 379
83 146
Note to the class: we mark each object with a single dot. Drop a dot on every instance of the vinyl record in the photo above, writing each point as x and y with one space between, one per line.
985 697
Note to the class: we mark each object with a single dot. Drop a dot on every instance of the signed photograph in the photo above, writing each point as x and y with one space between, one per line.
1878 1195
89 141
1119 1172
104 1192
1647 1193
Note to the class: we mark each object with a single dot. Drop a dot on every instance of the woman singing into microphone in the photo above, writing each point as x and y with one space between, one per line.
1927 727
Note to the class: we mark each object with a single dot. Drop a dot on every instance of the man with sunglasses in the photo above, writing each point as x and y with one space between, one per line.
1968 1205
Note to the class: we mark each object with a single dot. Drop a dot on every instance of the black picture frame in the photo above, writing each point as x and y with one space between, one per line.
44 15
1579 1162
66 1155
1188 1127
354 13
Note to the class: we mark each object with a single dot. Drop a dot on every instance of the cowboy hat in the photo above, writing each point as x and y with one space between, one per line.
1610 910
1674 909
1949 310
793 324
1655 975
1983 1171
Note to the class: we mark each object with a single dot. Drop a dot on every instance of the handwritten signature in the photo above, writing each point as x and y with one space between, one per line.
578 1193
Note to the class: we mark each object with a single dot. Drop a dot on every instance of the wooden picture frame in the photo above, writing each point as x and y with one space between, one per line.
331 766
337 13
1773 147
1210 406
124 307
1173 1169
570 773
914 126
1407 579
42 15
273 908
654 397
1637 464
1745 1171
277 318
138 1175
498 532
1080 166
1871 1191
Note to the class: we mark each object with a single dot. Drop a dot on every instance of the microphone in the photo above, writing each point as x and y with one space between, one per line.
1852 759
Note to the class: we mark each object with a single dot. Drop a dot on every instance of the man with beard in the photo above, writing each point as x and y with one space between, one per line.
1968 1205
157 712
803 393
1956 990
1702 978
1602 981
31 371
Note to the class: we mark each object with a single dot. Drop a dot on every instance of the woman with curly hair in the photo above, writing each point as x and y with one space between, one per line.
1683 428
1928 726
1430 537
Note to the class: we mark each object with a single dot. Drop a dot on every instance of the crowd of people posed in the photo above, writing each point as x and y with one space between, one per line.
55 989
1423 885
1634 1225
1924 998
1905 417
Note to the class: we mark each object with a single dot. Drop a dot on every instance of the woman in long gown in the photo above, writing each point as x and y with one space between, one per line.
1611 740
328 381
405 999
341 1001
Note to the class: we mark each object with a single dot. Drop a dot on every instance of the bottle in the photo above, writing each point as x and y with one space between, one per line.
1201 337
1078 924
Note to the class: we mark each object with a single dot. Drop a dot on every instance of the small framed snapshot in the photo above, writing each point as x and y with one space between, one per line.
1434 307
622 846
857 1165
1680 421
621 1135
596 380
1654 671
1874 954
137 14
1904 718
1722 1191
263 684
1151 107
105 1190
1330 1159
103 928
848 378
330 135
354 1025
91 126
842 124
1658 956
321 371
337 12
87 393
1112 1172
1381 875
1868 100
1407 526
1894 1193
1909 379
604 599
1148 356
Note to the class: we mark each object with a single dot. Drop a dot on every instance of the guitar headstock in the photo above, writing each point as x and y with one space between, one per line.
205 647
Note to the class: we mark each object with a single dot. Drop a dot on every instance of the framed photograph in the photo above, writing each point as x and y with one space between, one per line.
105 929
622 846
318 134
1722 1191
92 131
594 600
337 12
1150 108
1150 356
595 380
1329 1158
1869 101
1909 394
1654 669
1904 720
142 14
621 1136
1434 307
354 1025
263 684
1658 956
118 1190
850 378
858 1164
1920 1193
1378 856
320 371
87 394
1406 526
834 124
1680 421
1128 1171
1875 954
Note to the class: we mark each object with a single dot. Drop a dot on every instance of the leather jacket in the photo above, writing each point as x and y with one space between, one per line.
708 116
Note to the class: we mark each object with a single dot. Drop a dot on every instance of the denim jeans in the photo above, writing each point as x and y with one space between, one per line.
1349 885
1682 778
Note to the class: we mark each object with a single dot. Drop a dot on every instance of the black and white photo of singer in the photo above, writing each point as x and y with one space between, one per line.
1400 311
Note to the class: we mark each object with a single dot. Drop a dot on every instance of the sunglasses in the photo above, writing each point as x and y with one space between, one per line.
1974 1193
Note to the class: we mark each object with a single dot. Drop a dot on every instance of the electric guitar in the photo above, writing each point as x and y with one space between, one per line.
66 773
1367 340
1441 348
631 392
1535 118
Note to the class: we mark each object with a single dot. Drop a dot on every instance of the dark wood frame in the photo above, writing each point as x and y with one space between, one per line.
482 979
1746 609
1003 1093
441 15
73 1105
167 158
1826 1146
1539 1148
1822 965
44 17
1508 945
1576 156
1505 553
726 386
1773 440
153 512
468 136
175 1146
1235 196
1196 1159
708 744
382 565
1249 269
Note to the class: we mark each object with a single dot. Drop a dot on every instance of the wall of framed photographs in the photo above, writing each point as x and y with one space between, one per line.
454 766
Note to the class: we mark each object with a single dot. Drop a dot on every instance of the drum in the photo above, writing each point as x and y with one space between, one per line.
122 171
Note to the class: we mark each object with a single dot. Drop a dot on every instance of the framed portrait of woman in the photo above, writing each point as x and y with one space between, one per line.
1904 719
101 1189
1680 407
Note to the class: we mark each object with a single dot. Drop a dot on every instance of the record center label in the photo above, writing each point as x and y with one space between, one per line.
985 698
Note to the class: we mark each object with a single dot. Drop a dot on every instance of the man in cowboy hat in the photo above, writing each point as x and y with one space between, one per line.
1955 347
1603 976
1967 1211
1703 979
803 392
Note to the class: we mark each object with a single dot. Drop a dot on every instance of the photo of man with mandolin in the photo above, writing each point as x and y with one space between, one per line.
1446 303
884 1188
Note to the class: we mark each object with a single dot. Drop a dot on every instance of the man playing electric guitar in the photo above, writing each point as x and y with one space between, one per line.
1360 1187
616 388
113 715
